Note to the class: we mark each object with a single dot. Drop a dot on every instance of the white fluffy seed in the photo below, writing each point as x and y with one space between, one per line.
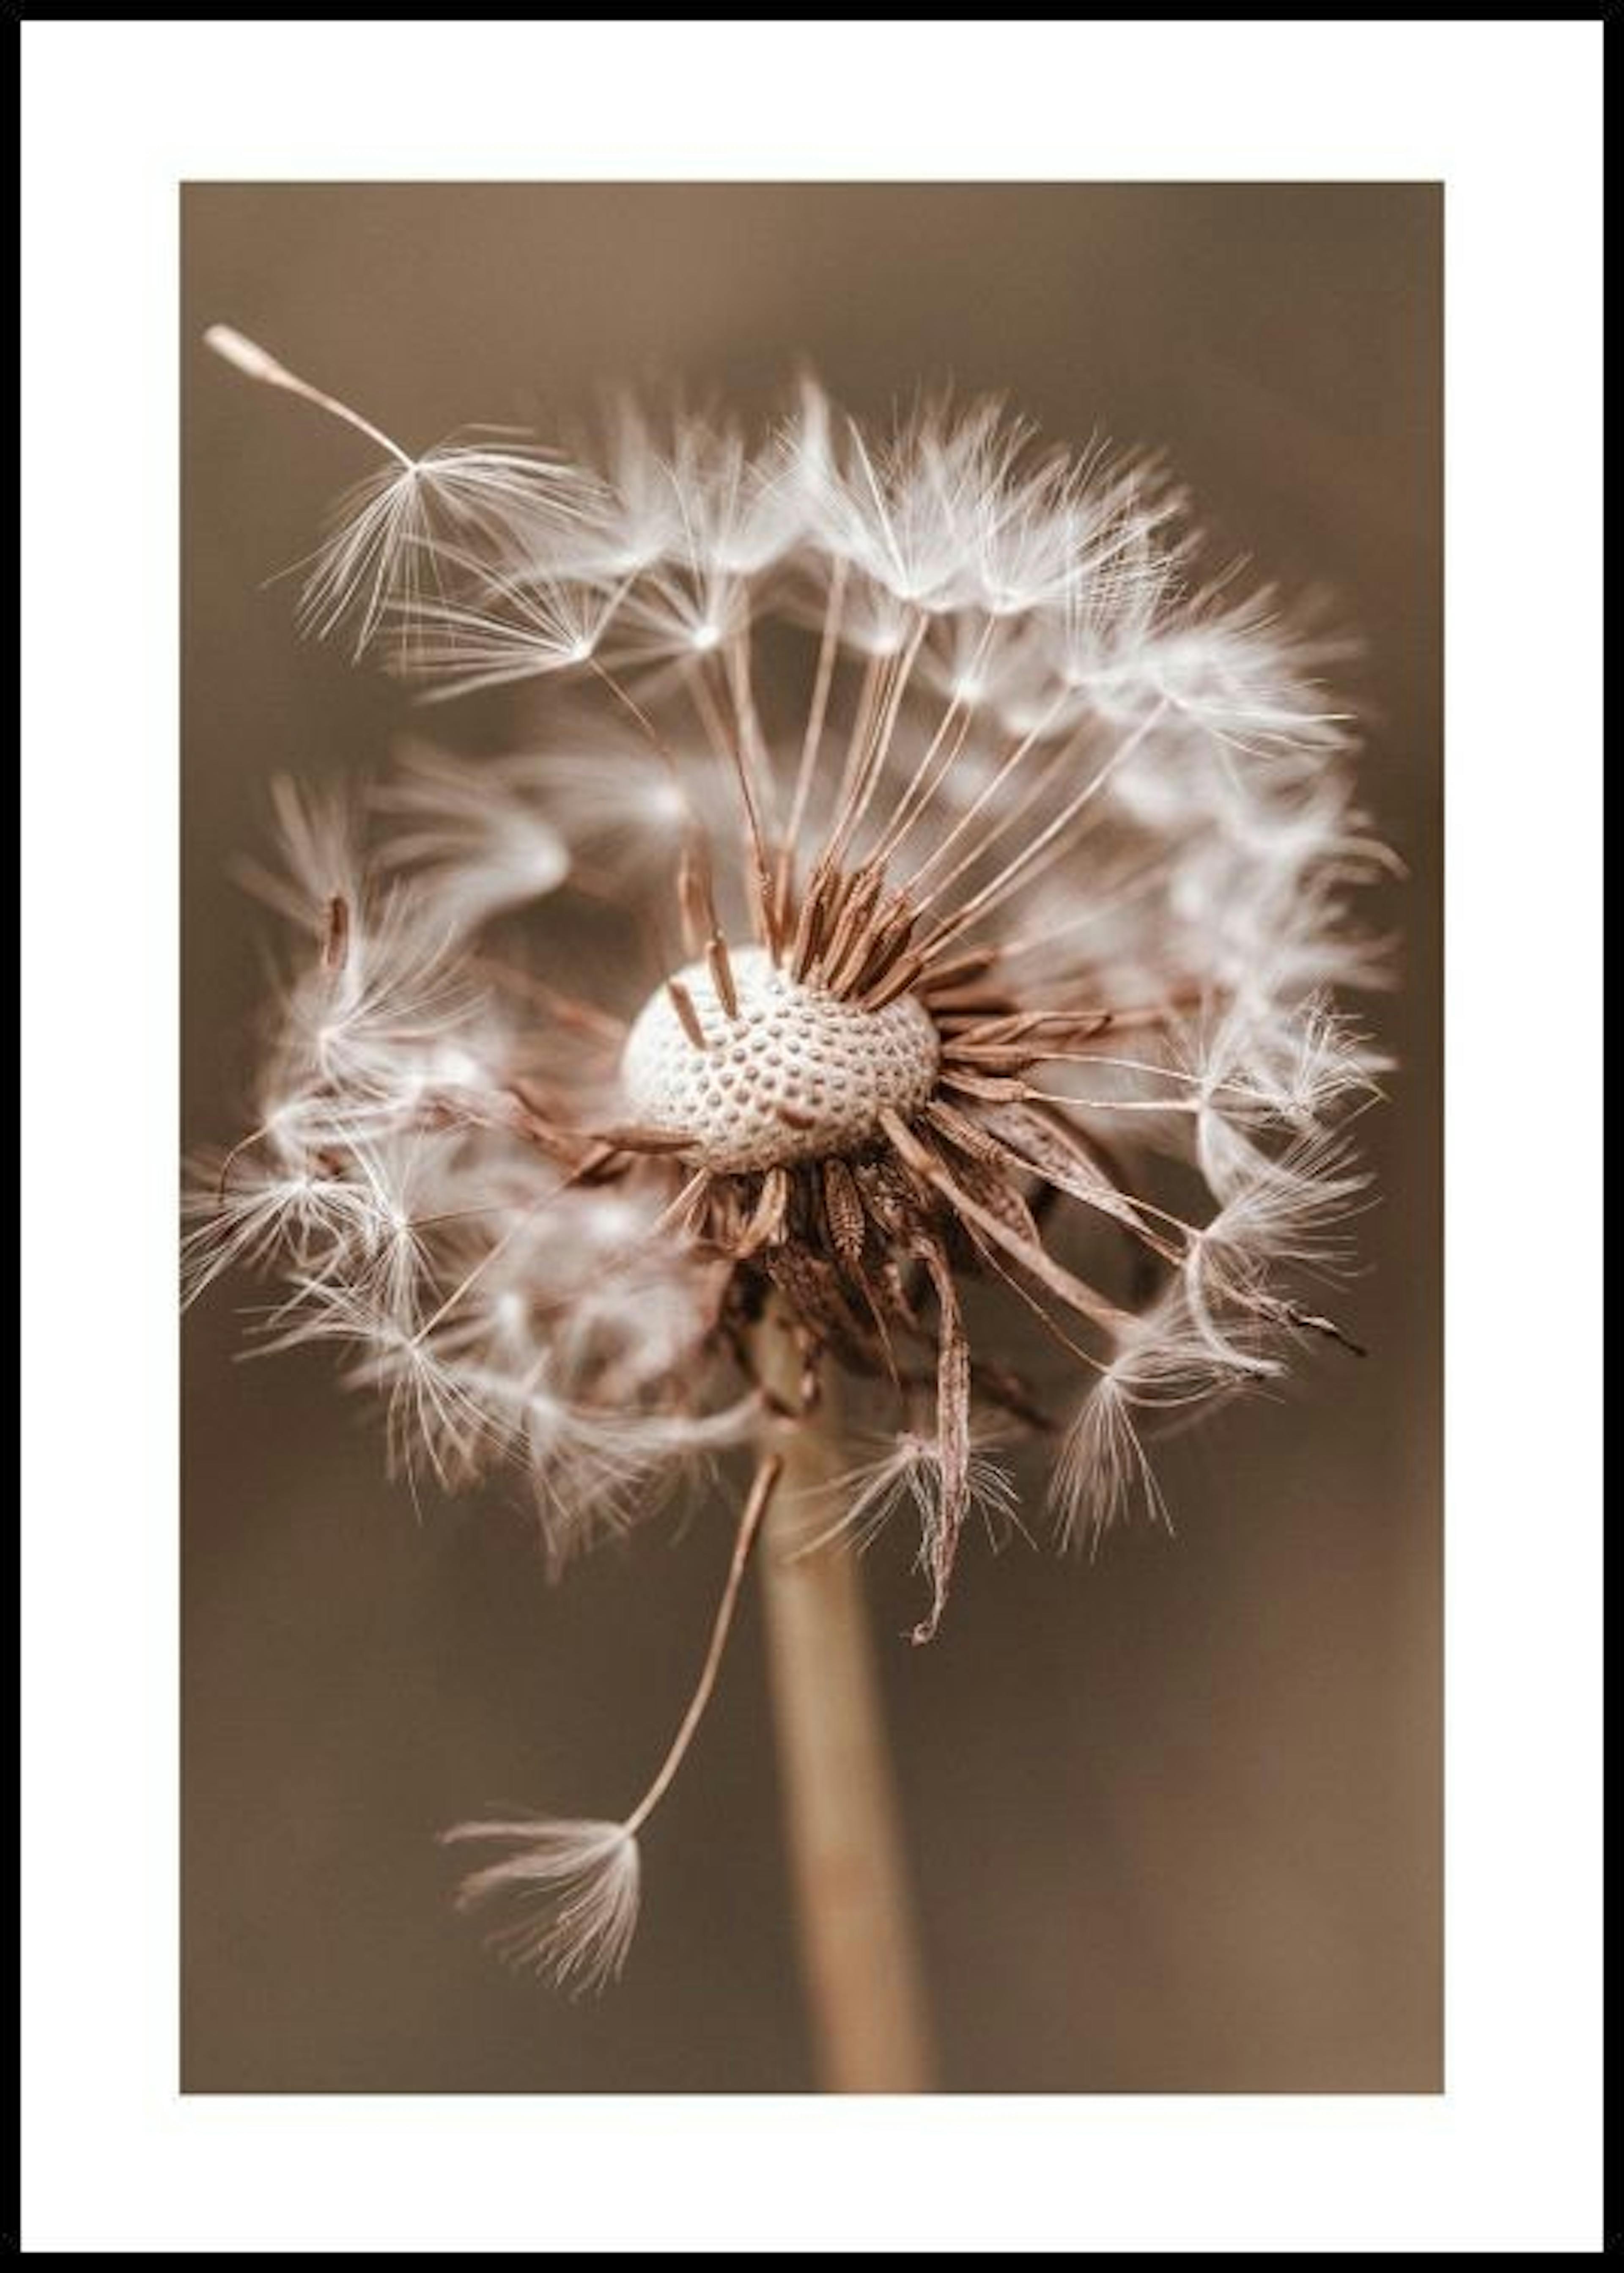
796 1076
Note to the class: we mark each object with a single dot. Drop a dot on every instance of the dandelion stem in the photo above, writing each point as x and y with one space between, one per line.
859 1955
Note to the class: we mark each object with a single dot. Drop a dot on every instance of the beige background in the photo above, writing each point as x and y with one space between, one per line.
1175 1817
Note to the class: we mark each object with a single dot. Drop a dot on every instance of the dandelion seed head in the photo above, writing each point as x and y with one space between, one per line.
922 901
1029 879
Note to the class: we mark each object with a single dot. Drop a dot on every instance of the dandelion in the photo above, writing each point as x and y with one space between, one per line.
971 876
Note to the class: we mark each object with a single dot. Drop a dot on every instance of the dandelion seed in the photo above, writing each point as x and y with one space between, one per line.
395 528
577 1884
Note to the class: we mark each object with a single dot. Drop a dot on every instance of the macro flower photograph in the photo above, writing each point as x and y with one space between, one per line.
811 1212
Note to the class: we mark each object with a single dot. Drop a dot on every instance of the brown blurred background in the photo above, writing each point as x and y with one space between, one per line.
1175 1817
